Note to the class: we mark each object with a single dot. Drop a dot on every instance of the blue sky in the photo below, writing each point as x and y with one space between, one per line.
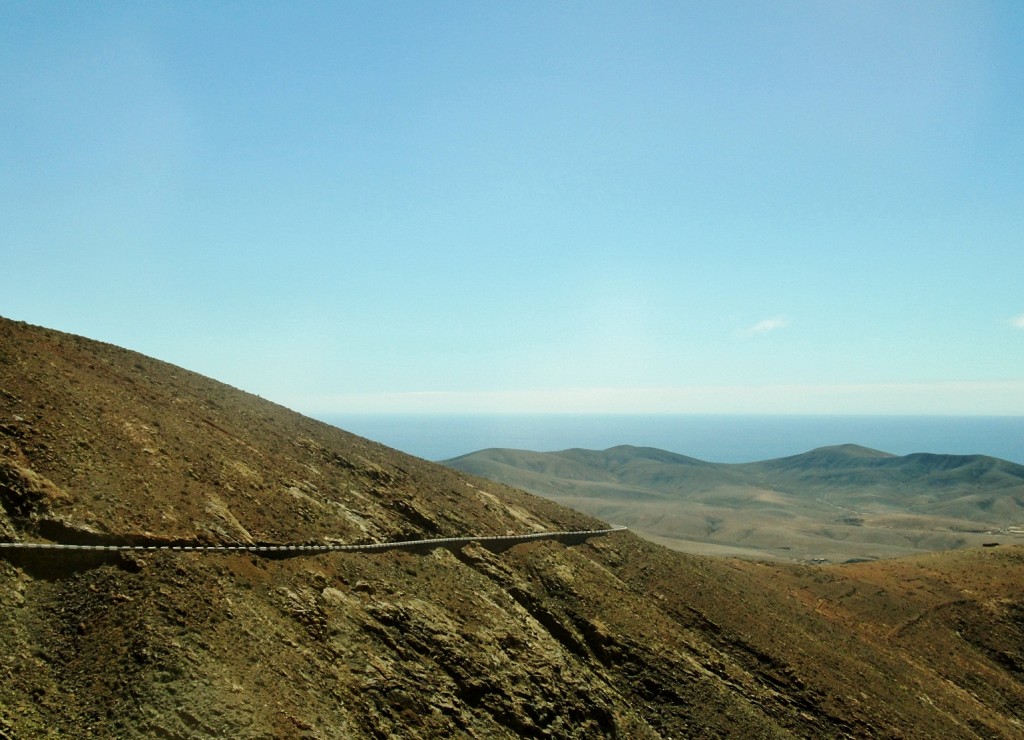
710 207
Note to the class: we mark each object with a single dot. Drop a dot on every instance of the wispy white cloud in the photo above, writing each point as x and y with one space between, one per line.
767 325
1018 321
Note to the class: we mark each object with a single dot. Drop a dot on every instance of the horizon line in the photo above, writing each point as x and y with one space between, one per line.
943 398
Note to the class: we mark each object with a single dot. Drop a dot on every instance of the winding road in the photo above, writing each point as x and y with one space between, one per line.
492 542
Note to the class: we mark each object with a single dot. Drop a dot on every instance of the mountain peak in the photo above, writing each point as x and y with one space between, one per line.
854 450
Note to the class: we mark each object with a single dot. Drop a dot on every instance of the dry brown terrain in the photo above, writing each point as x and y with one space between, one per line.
617 637
832 504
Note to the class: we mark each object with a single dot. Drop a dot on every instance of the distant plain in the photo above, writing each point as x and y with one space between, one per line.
832 504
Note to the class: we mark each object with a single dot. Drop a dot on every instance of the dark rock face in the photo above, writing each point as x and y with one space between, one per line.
613 637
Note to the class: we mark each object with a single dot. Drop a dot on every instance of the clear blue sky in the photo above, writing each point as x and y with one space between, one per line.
737 207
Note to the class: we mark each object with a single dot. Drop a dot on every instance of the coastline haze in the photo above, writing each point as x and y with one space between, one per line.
714 438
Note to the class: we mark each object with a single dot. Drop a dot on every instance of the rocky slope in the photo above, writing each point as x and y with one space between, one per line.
612 638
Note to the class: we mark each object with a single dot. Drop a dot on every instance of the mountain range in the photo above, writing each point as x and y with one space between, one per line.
830 504
609 636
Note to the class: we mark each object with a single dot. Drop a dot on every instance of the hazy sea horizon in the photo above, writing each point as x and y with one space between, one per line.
714 438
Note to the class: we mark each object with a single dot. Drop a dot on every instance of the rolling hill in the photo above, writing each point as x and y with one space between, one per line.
611 637
833 503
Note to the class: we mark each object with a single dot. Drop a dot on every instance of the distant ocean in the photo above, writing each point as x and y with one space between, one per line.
727 439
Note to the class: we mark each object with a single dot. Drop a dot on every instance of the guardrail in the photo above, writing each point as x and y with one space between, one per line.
488 541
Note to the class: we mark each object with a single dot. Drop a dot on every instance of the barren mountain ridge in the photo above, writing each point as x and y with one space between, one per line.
611 637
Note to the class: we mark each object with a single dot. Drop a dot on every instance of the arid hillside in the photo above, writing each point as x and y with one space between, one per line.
613 637
832 504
